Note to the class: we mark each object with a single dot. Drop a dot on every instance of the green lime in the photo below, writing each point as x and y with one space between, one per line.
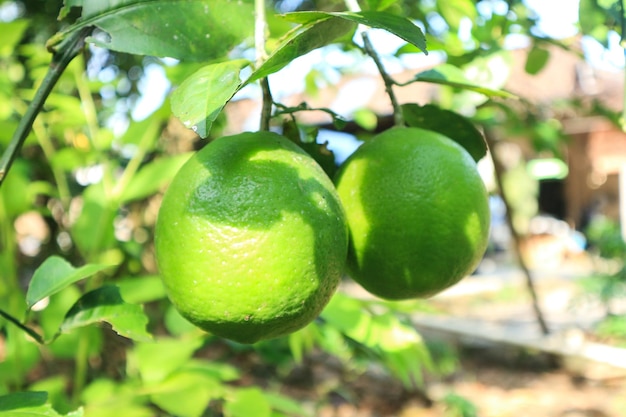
417 211
251 238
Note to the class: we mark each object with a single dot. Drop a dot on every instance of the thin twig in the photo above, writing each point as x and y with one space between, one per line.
60 60
259 44
389 82
499 170
38 338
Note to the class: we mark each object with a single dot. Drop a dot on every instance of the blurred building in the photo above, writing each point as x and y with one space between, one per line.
594 152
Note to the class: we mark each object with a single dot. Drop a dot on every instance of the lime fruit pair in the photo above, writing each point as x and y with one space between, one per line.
252 236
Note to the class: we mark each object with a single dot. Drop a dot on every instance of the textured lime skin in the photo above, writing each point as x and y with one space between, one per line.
251 238
417 211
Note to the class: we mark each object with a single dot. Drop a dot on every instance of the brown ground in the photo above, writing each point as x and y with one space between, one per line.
497 385
499 380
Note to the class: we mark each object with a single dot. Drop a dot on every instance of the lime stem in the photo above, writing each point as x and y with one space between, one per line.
260 25
389 82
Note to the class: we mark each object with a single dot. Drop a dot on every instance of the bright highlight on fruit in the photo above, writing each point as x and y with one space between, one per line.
251 238
417 211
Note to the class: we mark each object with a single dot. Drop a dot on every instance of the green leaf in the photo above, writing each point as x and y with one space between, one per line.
55 274
14 191
216 370
153 176
106 304
346 315
69 158
536 60
400 26
67 5
18 400
143 289
157 360
403 350
303 341
115 398
448 123
176 324
399 345
20 356
302 40
247 402
366 118
189 30
452 76
200 98
10 35
30 404
93 231
592 20
187 394
454 11
143 133
381 4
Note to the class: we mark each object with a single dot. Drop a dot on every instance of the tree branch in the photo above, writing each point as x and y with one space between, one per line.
499 170
60 60
389 82
26 329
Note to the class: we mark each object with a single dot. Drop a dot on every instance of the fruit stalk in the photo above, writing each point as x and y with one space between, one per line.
353 6
388 81
259 44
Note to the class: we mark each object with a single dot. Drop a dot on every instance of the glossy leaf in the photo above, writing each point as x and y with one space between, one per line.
106 305
449 124
186 29
201 97
400 26
319 32
452 76
55 274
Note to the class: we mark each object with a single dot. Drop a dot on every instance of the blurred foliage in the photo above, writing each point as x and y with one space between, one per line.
608 284
77 213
